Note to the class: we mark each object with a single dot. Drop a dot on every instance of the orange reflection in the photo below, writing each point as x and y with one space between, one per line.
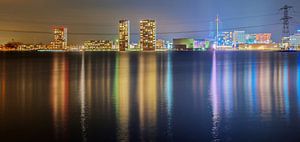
60 94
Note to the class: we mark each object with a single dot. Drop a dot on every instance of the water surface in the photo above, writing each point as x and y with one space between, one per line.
162 96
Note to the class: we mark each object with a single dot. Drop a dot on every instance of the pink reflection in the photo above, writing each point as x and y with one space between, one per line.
3 86
215 99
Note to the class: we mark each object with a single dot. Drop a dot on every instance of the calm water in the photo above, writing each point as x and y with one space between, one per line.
175 96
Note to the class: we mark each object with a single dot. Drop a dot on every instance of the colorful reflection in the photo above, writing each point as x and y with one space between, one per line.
261 91
121 95
151 96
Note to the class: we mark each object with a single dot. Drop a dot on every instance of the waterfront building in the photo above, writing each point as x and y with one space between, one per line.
239 37
295 40
148 35
182 44
225 39
124 34
285 42
190 44
60 40
98 45
168 44
263 38
160 44
250 38
201 44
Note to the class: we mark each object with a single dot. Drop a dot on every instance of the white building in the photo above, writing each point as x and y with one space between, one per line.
295 40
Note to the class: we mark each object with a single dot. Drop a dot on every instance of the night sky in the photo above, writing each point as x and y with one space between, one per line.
101 16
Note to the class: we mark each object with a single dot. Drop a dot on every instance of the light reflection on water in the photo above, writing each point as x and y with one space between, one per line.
192 96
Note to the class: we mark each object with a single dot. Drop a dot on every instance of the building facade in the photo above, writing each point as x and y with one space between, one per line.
239 37
263 38
190 44
295 40
225 39
148 35
98 45
60 38
250 38
124 34
160 44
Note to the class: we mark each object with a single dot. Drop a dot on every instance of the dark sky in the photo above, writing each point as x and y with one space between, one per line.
101 16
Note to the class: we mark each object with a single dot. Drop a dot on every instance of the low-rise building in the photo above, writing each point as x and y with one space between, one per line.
263 38
190 44
98 45
160 44
295 40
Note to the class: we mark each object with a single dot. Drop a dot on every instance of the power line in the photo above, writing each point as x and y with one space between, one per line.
159 33
251 16
3 19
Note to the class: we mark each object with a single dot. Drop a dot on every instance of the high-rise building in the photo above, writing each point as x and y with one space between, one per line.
60 38
148 35
124 34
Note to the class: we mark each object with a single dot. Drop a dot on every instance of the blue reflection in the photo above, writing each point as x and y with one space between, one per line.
253 87
169 92
298 83
227 83
285 87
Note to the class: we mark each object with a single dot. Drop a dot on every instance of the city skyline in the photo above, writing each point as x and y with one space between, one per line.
171 16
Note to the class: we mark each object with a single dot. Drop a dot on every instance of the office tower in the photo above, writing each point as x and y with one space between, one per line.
148 35
60 38
124 34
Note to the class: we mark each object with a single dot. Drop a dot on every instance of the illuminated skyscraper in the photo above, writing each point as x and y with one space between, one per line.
124 34
60 38
148 34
